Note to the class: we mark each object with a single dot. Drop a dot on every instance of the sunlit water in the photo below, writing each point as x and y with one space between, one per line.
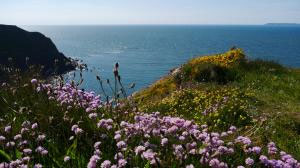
145 53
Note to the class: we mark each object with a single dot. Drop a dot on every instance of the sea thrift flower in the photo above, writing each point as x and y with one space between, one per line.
66 158
44 152
232 128
93 161
26 159
164 141
34 81
139 149
243 140
117 137
34 126
10 144
122 163
249 161
7 129
256 150
41 137
18 136
93 115
37 166
272 148
97 144
2 138
27 151
214 163
121 144
106 164
263 159
190 166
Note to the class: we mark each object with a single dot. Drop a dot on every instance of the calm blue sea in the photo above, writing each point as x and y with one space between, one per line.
145 53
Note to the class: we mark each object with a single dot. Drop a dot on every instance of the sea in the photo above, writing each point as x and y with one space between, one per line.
147 52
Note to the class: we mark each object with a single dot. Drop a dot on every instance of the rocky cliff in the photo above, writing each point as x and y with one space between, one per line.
20 49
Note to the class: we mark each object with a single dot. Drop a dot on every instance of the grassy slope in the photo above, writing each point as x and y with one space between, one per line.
275 89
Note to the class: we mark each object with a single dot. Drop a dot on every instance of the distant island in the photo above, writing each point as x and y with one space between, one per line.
21 49
282 24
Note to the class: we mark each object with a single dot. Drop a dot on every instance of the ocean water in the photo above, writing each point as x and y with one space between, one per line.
145 53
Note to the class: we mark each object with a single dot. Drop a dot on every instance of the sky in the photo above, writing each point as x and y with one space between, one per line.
94 12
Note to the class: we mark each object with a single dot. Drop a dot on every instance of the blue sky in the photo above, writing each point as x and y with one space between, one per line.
66 12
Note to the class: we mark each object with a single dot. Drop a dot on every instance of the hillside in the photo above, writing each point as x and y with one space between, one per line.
263 95
214 111
22 49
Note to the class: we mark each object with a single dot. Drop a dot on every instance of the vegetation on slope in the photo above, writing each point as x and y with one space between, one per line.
261 96
208 111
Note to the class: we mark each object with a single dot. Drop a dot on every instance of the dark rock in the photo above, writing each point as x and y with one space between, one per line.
20 49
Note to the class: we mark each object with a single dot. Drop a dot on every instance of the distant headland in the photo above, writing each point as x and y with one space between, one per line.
21 49
282 24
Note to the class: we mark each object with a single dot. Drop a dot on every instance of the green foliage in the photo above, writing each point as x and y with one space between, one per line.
219 107
207 72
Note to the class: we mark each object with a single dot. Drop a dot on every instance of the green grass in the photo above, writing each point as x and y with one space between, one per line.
261 98
274 104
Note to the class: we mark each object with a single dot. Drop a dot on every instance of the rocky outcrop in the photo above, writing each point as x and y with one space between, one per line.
20 49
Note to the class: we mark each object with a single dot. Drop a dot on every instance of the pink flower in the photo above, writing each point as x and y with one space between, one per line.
33 81
66 158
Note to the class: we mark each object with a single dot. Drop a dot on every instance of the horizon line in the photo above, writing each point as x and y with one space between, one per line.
150 24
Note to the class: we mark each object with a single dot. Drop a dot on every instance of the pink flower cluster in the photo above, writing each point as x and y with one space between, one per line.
184 140
71 96
24 141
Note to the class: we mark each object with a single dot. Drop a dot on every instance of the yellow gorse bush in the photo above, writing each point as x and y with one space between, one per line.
221 107
225 60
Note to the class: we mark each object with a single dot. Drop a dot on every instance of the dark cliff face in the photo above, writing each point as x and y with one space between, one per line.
19 44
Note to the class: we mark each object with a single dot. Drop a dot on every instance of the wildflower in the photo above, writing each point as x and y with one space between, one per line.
121 144
39 149
181 138
27 151
44 152
106 164
34 126
4 165
263 159
164 141
25 159
149 154
2 138
256 150
244 140
232 128
38 166
10 144
189 166
66 158
71 138
117 137
214 163
272 148
78 131
7 129
41 137
122 163
74 127
139 149
93 115
93 161
249 161
118 156
97 144
34 81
